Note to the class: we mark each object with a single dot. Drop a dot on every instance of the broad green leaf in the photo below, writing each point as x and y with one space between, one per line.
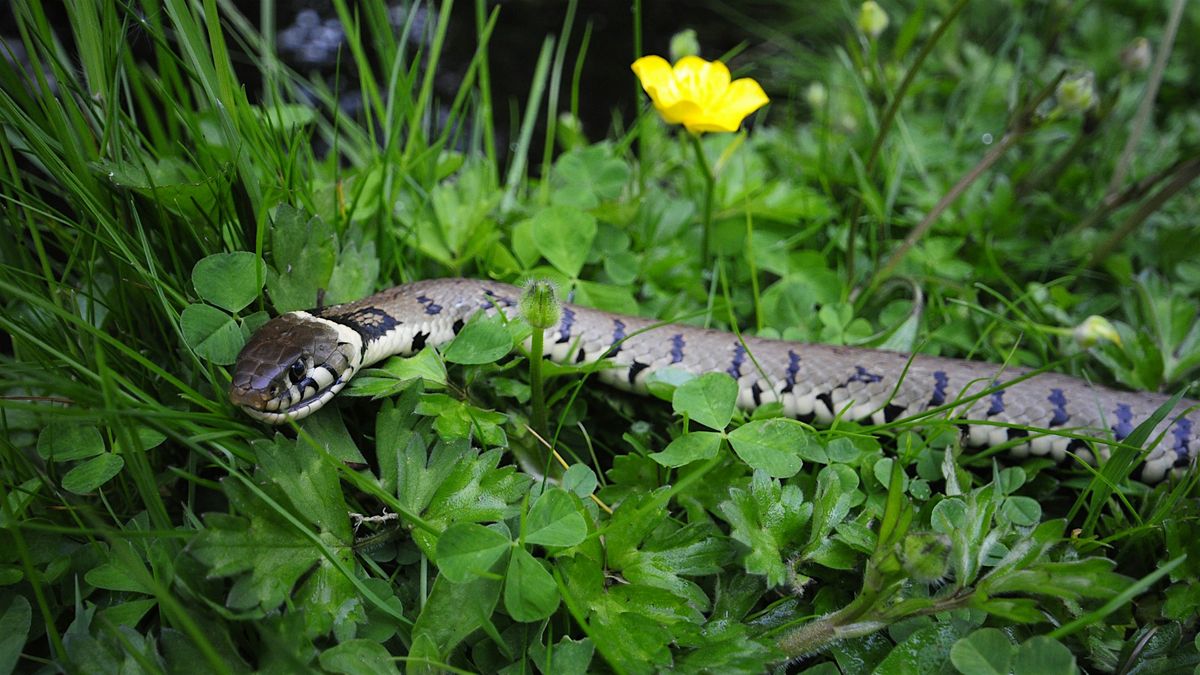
127 613
93 473
708 399
987 651
396 373
926 650
14 628
354 274
454 611
329 432
689 448
211 333
63 441
555 520
770 445
468 550
358 657
565 657
1023 511
484 340
1041 655
767 519
564 235
530 593
303 249
587 176
580 480
229 280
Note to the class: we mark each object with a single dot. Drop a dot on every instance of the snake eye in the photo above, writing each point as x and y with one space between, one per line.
296 371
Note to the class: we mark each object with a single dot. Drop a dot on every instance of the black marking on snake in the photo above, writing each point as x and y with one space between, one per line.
677 343
863 375
1182 433
329 369
792 370
756 392
1124 425
580 355
997 406
1014 434
892 412
431 307
635 368
418 341
940 382
369 322
564 326
617 336
739 357
1059 400
1077 444
457 327
807 418
827 399
498 300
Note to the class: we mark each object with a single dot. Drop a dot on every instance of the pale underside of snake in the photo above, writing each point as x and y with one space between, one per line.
298 361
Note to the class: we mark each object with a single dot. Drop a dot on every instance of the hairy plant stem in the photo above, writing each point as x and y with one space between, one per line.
536 395
710 182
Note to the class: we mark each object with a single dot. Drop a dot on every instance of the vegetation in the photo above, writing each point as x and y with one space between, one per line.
966 181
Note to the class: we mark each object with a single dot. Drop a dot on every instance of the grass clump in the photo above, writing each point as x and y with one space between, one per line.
957 183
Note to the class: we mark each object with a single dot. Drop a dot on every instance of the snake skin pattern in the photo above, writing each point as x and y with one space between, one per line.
298 361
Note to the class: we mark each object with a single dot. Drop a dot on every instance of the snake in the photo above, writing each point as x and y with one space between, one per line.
298 361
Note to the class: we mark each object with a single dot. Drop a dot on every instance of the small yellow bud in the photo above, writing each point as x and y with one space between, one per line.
1093 330
816 95
1077 93
872 20
1136 56
539 304
684 43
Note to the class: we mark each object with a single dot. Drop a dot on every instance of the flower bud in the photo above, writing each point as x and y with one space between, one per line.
925 556
539 304
1136 56
872 20
1077 93
1093 330
684 43
816 95
570 131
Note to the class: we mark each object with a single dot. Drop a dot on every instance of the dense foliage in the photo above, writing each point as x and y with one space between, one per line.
966 181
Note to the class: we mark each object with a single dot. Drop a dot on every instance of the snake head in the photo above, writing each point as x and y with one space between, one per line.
292 366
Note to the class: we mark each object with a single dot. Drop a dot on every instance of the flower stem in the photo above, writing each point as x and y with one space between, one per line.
710 182
536 396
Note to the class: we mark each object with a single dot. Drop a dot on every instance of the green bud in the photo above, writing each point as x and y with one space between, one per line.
684 43
872 20
539 304
816 95
1095 329
570 131
1077 93
925 556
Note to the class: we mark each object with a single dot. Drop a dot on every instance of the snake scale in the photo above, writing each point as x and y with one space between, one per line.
298 361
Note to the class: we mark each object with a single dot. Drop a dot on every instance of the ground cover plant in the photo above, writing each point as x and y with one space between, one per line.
964 180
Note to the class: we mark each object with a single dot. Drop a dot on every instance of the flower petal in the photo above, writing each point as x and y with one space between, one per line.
657 78
701 81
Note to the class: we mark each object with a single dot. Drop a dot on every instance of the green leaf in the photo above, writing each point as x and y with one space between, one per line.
93 473
329 432
708 399
565 657
1041 655
454 611
555 520
588 176
484 340
689 448
926 650
303 249
580 480
63 441
354 274
767 519
358 657
211 333
468 550
229 280
1023 511
396 373
770 445
987 651
14 628
530 593
564 235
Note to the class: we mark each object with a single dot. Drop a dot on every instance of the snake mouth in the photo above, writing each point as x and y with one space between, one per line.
296 411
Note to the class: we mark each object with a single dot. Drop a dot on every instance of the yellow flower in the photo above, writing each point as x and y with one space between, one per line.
697 93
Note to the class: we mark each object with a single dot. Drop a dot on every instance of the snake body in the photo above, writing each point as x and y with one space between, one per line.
298 361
